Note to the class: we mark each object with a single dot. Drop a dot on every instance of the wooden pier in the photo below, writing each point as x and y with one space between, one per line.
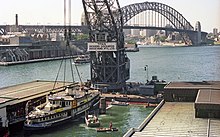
190 109
13 99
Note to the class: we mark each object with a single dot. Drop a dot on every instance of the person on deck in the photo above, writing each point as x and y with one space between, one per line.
110 125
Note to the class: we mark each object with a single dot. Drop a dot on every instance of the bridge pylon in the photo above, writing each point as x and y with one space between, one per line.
110 67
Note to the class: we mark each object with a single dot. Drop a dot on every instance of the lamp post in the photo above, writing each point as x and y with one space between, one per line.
146 69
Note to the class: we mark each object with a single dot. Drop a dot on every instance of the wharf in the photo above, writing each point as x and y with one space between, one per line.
190 109
130 98
13 99
178 119
26 91
32 61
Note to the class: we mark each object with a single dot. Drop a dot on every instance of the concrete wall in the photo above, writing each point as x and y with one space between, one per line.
207 110
180 95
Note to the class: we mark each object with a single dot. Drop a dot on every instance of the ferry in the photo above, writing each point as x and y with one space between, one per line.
61 107
82 59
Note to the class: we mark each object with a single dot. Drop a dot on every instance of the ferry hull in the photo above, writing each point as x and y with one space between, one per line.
35 127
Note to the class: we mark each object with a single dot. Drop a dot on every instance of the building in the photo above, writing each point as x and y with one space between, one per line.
24 52
150 32
17 40
143 33
215 31
189 109
127 32
135 32
204 94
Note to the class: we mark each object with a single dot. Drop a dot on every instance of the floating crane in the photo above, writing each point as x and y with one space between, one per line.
110 67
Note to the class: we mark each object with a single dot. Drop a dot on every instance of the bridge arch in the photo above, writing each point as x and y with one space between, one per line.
176 19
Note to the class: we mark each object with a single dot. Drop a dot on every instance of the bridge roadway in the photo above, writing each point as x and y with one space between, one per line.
83 29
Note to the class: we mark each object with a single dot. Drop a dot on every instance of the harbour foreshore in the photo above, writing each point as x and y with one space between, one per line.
33 61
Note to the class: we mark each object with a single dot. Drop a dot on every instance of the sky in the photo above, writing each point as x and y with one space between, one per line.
50 12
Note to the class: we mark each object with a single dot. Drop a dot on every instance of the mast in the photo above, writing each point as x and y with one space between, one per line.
67 51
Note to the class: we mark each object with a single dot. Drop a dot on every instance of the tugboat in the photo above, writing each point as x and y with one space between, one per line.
61 107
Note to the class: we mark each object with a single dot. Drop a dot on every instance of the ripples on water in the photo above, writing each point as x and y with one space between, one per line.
168 63
177 63
122 117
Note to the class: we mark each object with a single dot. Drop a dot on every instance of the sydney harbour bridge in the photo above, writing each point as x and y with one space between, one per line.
146 15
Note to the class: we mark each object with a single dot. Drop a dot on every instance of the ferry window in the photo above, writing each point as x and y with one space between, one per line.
68 103
63 104
57 102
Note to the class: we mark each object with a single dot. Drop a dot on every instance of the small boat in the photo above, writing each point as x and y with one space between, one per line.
104 129
118 103
150 105
92 121
130 48
82 59
135 49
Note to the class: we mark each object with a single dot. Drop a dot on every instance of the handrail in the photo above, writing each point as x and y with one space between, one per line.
131 131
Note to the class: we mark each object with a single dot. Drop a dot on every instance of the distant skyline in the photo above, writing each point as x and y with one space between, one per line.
45 12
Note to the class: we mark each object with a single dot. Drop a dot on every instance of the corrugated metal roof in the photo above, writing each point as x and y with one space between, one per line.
27 91
177 119
195 85
208 96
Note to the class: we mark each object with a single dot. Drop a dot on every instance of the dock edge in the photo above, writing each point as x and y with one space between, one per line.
131 131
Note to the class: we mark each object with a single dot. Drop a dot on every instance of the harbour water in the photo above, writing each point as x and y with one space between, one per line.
168 63
122 117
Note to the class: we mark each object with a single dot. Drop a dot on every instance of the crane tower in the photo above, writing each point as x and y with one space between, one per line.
110 67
